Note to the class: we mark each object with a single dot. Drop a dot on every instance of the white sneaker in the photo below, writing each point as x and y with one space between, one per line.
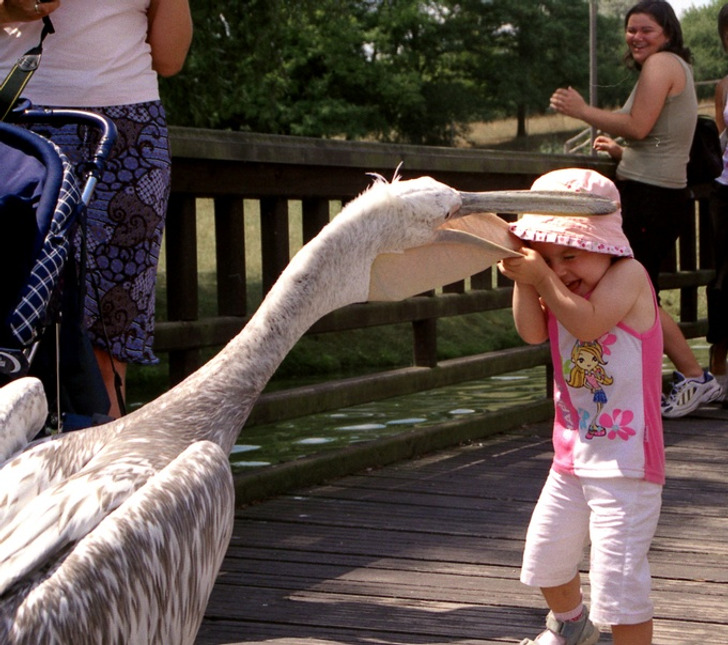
689 393
723 382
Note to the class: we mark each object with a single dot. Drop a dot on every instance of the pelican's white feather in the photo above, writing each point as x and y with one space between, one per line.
23 412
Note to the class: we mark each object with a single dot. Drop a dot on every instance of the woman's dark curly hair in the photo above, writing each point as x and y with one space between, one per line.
664 15
723 26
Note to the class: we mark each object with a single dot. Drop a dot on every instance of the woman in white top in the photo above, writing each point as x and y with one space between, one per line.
106 56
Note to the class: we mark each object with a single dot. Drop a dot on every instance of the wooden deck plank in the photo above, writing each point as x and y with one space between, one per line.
428 551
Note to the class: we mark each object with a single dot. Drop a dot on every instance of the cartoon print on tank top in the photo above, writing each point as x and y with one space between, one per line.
587 371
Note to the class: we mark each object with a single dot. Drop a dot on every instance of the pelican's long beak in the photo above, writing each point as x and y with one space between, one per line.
473 239
544 202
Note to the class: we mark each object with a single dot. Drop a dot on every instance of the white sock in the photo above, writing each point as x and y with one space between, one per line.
574 614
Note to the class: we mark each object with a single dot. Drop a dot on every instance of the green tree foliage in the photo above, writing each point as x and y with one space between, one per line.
614 79
330 68
700 30
415 71
420 52
535 52
277 66
615 8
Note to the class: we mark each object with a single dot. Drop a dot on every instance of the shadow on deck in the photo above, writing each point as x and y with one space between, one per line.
427 551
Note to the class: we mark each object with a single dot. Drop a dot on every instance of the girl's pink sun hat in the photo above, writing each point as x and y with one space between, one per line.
595 233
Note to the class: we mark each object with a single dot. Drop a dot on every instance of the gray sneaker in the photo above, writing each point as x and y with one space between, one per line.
578 632
689 393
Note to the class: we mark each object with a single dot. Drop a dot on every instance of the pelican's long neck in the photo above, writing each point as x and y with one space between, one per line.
328 273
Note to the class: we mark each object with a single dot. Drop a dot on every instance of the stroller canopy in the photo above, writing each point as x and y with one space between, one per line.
39 198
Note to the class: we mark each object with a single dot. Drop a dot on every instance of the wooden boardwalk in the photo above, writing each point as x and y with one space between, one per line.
427 552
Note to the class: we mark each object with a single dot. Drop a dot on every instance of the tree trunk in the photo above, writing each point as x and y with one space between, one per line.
521 117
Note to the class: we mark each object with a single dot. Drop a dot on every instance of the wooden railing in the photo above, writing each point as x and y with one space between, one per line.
274 170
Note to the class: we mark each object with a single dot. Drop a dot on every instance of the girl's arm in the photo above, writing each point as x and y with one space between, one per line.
169 34
529 314
661 74
621 296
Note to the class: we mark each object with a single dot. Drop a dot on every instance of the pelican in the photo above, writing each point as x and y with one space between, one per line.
23 411
115 533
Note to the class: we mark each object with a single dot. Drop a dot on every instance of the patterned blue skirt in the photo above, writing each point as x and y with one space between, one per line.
124 226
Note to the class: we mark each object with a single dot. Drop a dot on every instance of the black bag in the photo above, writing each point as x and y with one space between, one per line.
706 156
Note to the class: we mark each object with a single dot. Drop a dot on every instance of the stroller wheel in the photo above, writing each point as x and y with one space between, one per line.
13 363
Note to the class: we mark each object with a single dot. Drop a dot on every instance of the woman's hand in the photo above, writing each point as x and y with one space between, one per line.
606 144
25 10
569 102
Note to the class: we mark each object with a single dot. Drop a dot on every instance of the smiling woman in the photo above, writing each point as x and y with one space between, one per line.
644 37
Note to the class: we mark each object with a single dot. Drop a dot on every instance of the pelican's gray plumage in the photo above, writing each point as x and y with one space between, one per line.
115 533
23 411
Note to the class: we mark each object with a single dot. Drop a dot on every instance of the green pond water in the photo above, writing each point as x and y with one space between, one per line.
264 445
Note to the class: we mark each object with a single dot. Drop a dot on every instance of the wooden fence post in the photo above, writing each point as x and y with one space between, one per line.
182 299
230 256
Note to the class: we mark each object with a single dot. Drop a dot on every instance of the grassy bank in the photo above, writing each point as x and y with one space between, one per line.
359 351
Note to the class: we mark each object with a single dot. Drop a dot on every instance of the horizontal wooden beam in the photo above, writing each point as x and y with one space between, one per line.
332 395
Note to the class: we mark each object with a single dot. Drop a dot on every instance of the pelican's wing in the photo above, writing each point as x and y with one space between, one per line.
146 572
46 463
466 246
34 531
23 411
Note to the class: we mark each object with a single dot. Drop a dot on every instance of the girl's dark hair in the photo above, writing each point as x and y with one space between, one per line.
664 15
723 25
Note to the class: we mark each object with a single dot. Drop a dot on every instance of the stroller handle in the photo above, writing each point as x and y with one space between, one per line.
102 124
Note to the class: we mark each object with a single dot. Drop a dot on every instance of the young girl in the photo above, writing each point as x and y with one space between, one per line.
578 286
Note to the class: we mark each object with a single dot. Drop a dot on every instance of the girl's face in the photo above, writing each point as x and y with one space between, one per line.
644 37
579 270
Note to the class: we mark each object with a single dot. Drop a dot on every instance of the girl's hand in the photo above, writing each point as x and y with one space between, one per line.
529 269
606 144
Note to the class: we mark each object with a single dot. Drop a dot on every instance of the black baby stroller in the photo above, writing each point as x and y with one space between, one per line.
41 204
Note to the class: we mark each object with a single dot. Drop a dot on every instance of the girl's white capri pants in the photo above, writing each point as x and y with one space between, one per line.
620 516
